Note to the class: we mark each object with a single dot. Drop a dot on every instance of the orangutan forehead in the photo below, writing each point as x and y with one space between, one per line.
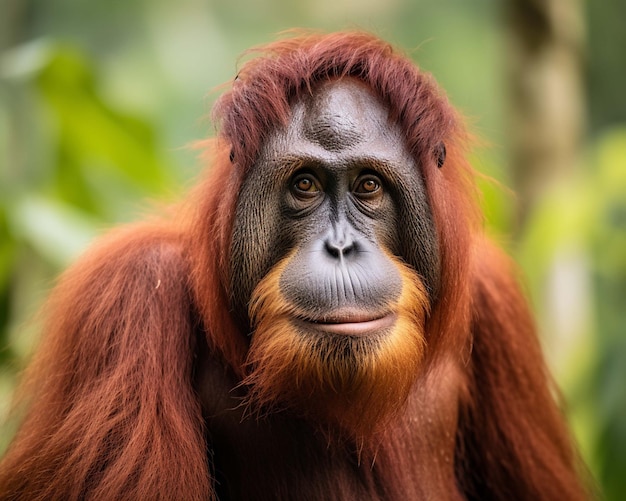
341 114
340 123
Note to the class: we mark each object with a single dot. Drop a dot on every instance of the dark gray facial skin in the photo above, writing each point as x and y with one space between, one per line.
338 189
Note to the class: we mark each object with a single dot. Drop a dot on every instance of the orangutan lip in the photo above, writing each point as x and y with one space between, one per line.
353 325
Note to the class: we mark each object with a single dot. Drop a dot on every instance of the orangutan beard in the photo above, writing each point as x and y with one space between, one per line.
350 384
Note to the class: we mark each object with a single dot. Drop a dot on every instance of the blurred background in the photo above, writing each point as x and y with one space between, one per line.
99 100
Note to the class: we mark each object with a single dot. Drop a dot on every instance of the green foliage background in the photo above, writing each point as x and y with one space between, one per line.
99 99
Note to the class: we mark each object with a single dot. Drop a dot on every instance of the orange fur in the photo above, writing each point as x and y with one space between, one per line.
112 414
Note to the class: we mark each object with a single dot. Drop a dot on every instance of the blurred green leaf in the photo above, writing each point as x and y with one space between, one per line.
58 231
94 139
609 197
608 392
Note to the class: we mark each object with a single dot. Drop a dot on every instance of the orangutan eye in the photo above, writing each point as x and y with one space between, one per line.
368 184
305 185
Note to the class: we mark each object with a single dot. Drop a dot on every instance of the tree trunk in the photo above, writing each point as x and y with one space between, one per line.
546 95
